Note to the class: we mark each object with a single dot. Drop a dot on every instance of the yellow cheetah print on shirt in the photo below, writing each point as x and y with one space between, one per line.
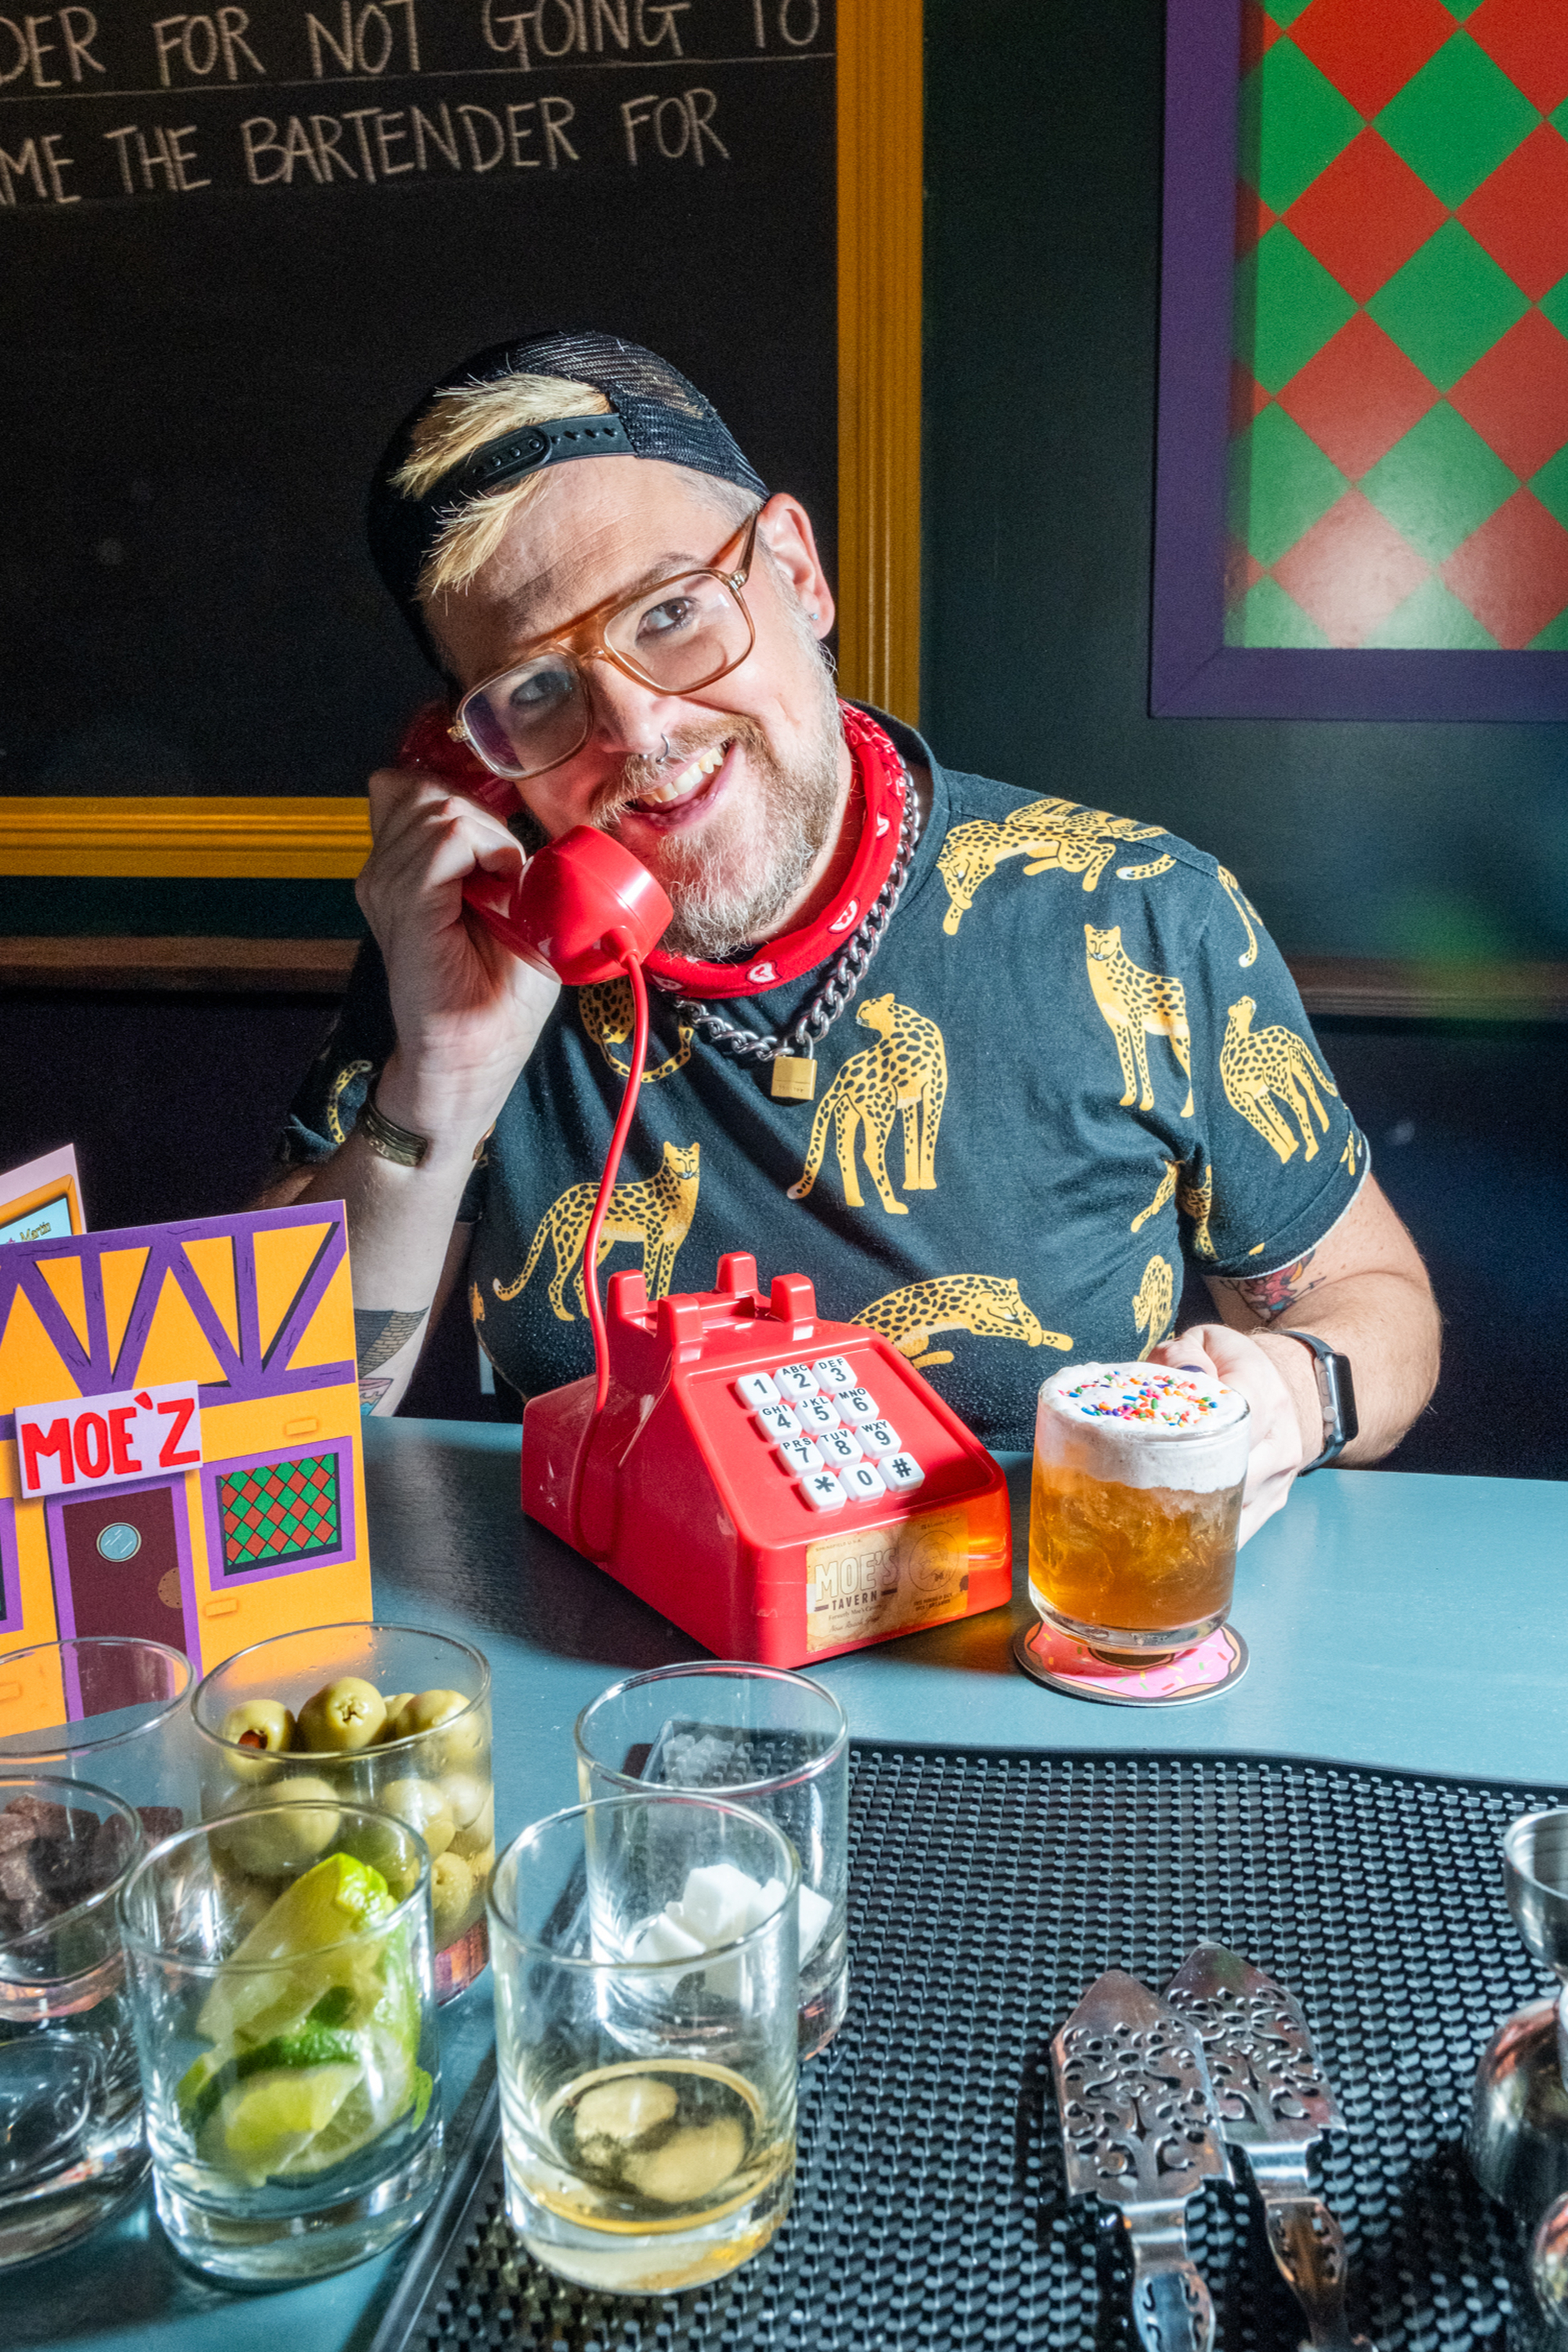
604 1008
983 1303
657 1213
1167 1186
341 1085
1135 1003
1255 1067
904 1076
1245 908
1054 835
1154 1304
1197 1201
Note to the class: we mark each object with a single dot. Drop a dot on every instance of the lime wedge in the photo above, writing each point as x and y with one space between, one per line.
311 1925
266 2125
217 2071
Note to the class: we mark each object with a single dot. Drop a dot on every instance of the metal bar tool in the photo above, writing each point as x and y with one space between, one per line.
1139 2130
1274 2102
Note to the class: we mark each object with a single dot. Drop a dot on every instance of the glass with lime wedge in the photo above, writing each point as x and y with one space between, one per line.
285 2036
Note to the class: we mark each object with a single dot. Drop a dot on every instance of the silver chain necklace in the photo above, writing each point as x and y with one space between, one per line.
794 1056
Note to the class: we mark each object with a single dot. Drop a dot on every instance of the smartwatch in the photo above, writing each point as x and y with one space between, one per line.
1336 1392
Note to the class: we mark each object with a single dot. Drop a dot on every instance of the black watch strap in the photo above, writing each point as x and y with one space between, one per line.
1336 1393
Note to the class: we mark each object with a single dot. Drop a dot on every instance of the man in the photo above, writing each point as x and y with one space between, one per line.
1074 1058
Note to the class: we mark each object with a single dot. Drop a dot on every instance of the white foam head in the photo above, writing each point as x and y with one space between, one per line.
1143 1425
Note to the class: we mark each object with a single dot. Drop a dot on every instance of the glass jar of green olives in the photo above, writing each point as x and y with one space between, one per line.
386 1716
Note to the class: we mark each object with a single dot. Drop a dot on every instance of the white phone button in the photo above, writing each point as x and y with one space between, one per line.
756 1388
877 1438
858 1405
800 1456
864 1483
833 1372
815 1414
901 1471
795 1380
823 1491
839 1447
776 1421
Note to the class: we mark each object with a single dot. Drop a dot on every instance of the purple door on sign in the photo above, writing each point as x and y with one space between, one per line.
116 1562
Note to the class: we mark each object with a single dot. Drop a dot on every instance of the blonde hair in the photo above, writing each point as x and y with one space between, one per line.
459 422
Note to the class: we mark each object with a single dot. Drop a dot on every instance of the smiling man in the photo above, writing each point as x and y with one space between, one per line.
1078 1064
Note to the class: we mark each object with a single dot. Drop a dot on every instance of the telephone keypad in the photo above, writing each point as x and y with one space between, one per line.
829 1435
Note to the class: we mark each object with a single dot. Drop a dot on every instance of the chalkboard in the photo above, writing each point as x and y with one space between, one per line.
236 245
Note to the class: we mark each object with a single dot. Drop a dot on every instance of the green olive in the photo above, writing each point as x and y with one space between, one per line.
394 1706
474 1835
272 1844
260 1723
451 1893
464 1794
256 1733
430 1710
345 1715
421 1804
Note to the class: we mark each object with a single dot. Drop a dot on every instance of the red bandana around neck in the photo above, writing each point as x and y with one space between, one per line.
883 783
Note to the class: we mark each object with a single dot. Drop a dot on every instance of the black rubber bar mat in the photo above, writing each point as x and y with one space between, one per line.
987 1891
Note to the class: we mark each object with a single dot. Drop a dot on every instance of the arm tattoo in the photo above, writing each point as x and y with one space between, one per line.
380 1334
1269 1295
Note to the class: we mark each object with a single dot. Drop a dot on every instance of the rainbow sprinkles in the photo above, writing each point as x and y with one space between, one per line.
1161 1399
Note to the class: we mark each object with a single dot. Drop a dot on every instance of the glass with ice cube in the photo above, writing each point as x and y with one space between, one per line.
645 1957
775 1742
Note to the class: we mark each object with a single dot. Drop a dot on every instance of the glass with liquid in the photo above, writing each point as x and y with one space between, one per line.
646 1956
1135 1507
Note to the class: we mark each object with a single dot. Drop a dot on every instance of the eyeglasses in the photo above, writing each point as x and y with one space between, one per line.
675 637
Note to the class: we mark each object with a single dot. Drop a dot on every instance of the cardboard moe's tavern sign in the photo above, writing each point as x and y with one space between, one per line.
179 1434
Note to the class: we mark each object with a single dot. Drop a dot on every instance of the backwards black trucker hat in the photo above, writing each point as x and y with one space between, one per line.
654 413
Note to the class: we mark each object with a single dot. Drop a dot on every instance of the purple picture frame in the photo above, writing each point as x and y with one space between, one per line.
1194 674
220 1575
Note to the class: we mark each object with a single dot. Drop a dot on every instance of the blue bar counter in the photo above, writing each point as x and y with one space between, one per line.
1410 1621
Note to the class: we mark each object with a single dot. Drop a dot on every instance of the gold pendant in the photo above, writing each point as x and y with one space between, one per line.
794 1079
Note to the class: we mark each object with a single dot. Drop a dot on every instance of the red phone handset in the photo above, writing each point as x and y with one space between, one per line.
583 904
586 910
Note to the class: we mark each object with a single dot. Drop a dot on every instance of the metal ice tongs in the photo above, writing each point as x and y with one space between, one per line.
1274 2102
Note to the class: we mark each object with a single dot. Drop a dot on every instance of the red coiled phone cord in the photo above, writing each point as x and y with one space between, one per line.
632 966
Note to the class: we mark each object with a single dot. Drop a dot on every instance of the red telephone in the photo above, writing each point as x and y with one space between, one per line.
783 1489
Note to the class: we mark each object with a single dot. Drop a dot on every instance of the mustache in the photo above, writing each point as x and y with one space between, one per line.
639 774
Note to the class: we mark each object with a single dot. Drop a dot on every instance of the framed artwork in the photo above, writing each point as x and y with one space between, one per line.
1362 507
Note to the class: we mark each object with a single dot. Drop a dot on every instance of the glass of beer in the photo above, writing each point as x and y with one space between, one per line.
1139 1470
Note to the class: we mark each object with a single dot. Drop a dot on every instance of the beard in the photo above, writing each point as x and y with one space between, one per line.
733 878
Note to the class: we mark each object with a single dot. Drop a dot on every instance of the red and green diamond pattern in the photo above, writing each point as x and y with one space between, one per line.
1399 465
280 1511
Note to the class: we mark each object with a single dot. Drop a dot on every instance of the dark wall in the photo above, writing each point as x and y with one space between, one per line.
1043 145
174 1103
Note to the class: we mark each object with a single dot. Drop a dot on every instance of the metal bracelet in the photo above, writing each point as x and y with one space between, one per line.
386 1139
842 982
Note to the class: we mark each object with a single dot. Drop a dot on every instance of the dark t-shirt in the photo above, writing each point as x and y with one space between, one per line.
1076 1059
